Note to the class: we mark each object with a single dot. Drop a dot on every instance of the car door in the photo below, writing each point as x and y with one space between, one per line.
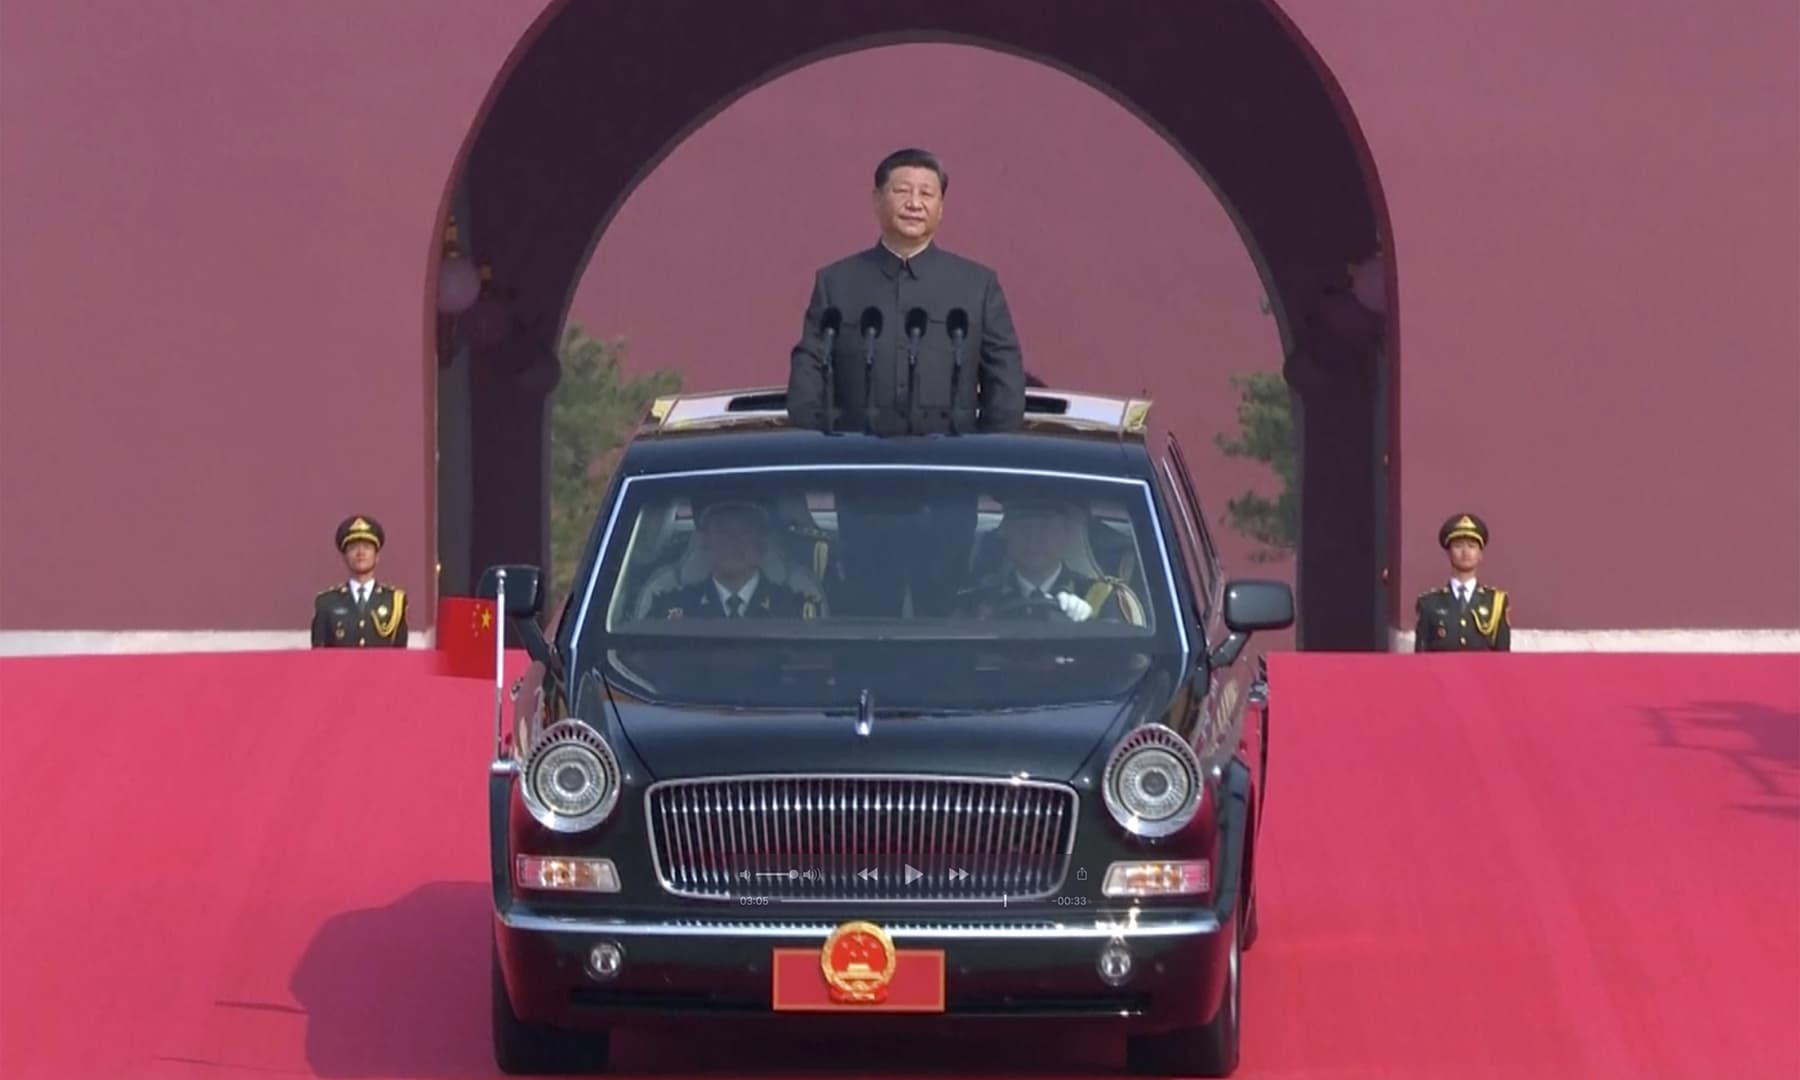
1230 684
1215 737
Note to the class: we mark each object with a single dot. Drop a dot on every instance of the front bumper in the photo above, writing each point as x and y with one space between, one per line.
1023 966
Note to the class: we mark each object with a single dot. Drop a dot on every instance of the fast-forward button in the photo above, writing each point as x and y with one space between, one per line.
959 874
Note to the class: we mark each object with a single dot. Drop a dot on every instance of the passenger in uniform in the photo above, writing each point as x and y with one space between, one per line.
734 539
360 611
1463 615
1035 582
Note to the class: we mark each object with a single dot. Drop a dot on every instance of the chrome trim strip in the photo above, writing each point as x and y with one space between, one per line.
1174 594
503 767
1133 926
696 825
600 553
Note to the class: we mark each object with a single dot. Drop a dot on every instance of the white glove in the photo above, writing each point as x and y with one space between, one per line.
1077 609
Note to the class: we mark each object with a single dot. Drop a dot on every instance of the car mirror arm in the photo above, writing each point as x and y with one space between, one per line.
1229 650
538 647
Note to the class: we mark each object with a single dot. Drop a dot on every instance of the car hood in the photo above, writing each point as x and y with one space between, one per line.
1050 743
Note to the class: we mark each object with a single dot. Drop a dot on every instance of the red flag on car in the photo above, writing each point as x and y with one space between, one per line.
467 629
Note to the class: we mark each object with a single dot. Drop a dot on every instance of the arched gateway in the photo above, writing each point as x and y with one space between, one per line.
598 92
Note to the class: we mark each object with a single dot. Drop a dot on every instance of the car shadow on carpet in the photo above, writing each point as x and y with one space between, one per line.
402 991
1761 741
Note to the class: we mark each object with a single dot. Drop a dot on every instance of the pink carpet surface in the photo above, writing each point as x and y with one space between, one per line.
1536 865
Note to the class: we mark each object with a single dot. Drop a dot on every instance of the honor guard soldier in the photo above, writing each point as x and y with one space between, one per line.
733 537
360 612
1463 615
1035 582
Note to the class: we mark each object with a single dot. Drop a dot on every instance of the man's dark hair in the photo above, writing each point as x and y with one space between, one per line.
1034 382
911 158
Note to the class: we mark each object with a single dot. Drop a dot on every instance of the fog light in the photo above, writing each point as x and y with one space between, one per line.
1115 963
566 875
605 959
1158 878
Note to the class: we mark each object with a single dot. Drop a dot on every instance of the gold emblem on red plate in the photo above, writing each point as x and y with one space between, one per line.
858 961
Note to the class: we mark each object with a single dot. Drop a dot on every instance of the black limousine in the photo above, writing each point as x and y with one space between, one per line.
912 730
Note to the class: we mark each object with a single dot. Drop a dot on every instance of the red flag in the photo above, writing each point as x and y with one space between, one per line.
466 630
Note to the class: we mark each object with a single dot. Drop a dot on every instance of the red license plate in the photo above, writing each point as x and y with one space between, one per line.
917 985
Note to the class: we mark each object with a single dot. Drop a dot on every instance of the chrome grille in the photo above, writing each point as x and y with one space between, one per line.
868 838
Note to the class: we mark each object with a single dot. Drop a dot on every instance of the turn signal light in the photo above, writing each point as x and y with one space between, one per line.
1158 878
566 875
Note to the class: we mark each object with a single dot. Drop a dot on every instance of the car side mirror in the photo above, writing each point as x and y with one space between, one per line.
1258 605
524 589
1251 606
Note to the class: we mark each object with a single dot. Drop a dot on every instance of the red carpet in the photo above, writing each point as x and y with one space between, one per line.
1531 866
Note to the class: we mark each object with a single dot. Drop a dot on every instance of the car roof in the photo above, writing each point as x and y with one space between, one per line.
1062 431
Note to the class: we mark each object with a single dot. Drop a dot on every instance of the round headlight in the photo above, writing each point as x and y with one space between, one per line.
1152 784
571 779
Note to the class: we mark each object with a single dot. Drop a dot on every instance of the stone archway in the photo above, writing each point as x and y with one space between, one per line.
599 92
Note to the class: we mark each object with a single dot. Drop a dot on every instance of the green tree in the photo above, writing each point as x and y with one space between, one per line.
1266 434
592 414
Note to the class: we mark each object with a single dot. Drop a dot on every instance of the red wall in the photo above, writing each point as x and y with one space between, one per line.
214 236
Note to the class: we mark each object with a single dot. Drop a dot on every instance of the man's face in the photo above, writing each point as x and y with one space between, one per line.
1465 555
732 543
359 556
910 205
1036 540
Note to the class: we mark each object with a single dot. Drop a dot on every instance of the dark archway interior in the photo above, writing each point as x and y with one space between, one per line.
604 90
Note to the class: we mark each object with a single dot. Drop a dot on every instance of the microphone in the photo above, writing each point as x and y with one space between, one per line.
916 322
828 330
871 329
957 322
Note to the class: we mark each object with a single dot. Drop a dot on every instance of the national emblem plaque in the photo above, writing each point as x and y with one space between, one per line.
858 960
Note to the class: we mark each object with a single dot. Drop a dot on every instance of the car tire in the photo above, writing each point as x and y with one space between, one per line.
527 1049
1208 1050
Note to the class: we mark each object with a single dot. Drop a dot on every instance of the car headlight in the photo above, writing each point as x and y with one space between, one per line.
1152 784
571 779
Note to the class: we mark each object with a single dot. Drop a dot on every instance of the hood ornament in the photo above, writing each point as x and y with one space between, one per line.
865 714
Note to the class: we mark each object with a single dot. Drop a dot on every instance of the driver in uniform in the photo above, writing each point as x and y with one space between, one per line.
1034 581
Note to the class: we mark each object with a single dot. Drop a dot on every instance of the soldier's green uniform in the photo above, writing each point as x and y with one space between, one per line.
1455 617
344 619
704 599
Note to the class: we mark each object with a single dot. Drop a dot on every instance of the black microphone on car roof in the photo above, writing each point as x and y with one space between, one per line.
870 324
829 324
957 322
916 322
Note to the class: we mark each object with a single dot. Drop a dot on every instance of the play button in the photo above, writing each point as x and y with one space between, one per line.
913 875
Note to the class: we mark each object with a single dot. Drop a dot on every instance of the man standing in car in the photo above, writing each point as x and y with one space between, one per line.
1463 615
960 330
926 345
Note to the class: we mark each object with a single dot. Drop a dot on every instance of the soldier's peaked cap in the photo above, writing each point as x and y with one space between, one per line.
1035 503
1463 527
360 527
707 510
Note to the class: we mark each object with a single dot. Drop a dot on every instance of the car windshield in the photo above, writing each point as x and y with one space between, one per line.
931 589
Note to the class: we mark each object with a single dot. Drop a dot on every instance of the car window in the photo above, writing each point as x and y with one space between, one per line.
946 588
1201 569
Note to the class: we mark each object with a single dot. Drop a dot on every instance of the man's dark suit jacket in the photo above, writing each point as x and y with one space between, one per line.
990 391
